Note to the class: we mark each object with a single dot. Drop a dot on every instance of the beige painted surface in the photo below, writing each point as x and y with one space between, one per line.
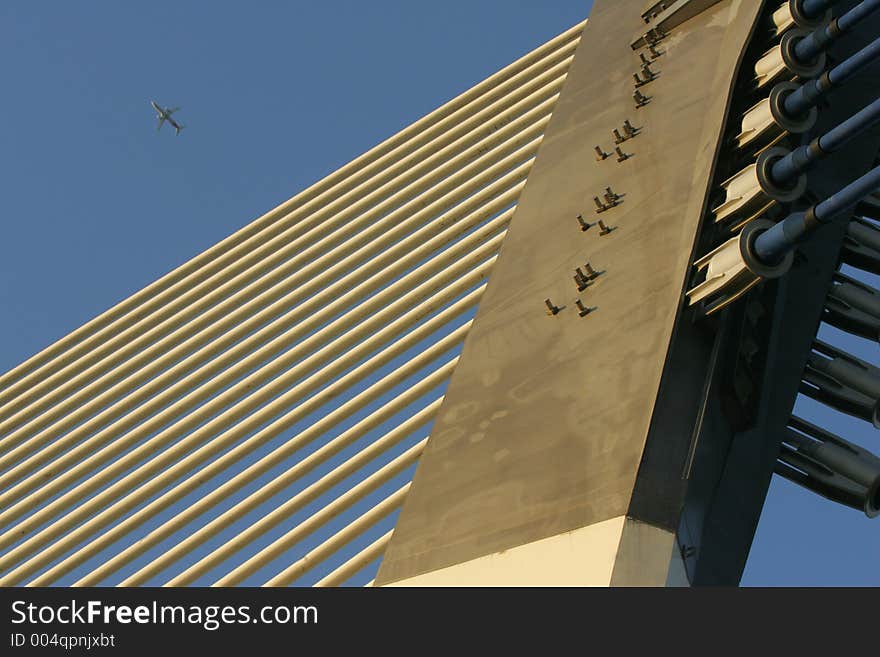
584 557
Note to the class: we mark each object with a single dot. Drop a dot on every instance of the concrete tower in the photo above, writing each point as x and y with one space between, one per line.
628 437
595 279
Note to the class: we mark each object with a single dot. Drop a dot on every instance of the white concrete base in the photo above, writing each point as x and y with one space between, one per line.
589 556
584 557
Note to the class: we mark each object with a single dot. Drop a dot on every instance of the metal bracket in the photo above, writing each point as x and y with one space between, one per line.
843 381
830 466
781 59
765 121
861 246
854 307
674 15
732 269
790 15
753 188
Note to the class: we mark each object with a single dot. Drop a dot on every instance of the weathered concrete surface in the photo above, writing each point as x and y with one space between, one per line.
545 420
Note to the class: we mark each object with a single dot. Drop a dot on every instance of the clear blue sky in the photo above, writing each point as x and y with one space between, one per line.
96 204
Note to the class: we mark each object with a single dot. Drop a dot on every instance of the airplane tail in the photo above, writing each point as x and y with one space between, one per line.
178 128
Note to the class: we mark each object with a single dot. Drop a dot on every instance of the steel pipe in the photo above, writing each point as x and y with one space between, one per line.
814 8
787 169
848 373
853 306
771 245
842 459
831 466
246 239
857 295
844 382
807 95
819 39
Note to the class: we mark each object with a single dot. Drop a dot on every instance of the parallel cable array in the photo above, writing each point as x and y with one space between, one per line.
255 415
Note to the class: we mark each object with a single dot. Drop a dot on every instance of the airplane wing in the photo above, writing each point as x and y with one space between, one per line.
161 121
171 111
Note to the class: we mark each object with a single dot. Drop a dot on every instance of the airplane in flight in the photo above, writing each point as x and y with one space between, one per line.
165 115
